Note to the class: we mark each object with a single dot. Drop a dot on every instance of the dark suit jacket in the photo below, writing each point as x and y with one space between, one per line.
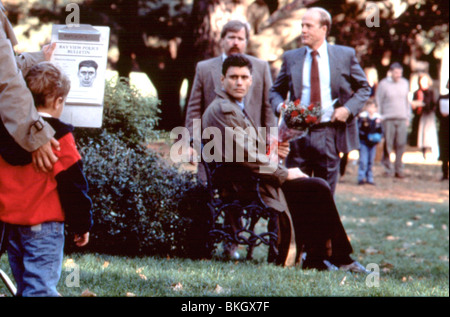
348 84
208 80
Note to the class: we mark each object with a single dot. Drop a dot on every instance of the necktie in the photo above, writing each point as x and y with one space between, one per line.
315 79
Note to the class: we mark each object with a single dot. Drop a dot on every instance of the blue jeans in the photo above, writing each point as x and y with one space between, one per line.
35 255
366 159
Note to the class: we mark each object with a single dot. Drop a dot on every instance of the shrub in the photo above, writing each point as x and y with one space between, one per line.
135 195
135 192
126 112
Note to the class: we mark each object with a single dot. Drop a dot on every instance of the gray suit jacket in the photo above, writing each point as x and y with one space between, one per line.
348 84
208 79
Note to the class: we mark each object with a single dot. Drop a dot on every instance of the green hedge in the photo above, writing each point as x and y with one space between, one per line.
135 192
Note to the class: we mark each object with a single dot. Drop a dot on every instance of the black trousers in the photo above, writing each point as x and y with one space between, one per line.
316 155
316 220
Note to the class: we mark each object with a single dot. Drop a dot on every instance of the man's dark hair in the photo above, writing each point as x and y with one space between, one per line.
88 64
236 60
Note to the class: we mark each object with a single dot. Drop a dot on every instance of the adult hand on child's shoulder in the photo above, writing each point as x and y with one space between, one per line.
44 158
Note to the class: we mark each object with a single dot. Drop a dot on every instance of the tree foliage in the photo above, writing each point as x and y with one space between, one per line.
166 38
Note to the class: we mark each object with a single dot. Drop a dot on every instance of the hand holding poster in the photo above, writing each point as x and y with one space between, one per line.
82 53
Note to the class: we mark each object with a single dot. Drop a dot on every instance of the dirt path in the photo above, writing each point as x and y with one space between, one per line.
422 181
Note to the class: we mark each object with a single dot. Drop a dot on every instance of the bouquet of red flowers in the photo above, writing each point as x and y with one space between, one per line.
296 119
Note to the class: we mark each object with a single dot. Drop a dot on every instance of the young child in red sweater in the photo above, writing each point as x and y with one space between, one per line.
35 205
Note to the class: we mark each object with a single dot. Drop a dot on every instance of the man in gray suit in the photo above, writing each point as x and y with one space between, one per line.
332 76
234 39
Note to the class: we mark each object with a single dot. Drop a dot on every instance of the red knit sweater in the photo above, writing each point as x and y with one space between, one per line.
28 197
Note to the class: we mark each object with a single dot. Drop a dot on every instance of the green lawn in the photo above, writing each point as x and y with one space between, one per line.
407 241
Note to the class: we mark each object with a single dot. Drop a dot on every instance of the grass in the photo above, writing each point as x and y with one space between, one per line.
408 241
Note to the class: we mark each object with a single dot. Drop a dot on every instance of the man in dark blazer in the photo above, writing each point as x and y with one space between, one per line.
342 89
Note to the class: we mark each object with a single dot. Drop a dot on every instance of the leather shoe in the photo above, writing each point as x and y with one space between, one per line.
320 265
230 251
354 267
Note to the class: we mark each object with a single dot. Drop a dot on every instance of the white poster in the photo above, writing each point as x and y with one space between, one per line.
82 53
443 104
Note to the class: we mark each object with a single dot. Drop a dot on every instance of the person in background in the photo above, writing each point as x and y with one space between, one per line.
393 104
370 134
424 107
443 115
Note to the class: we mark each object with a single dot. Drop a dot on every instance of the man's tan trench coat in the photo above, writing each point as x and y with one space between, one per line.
17 109
223 113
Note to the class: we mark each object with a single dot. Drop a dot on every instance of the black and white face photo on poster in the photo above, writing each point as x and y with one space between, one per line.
87 73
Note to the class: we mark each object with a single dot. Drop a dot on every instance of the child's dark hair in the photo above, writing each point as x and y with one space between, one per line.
47 82
236 60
